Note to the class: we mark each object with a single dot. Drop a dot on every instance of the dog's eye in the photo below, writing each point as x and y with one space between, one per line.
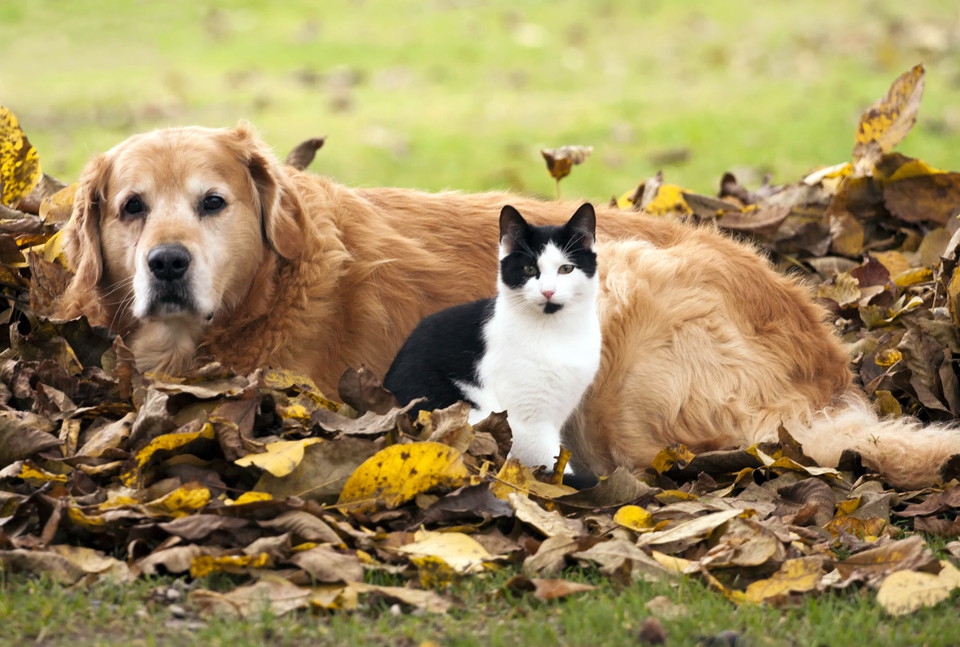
212 204
134 207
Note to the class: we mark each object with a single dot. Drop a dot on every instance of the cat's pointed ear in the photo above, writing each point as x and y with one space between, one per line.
584 224
512 227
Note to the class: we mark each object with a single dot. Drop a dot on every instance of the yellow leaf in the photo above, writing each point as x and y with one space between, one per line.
635 518
280 458
90 522
888 121
674 455
668 201
398 473
29 472
904 592
887 405
460 552
794 576
887 358
182 501
673 564
19 161
166 442
913 276
912 168
204 565
517 477
894 261
560 466
674 496
250 497
625 201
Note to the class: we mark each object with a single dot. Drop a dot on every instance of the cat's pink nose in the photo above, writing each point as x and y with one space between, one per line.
547 293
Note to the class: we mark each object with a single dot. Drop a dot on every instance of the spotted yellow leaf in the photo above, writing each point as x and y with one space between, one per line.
794 576
398 473
19 161
887 122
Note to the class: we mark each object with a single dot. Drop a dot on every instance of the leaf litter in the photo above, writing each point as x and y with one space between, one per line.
300 497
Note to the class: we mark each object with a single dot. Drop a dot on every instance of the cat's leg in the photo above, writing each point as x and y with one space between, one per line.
535 443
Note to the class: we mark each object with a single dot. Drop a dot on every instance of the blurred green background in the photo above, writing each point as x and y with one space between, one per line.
464 93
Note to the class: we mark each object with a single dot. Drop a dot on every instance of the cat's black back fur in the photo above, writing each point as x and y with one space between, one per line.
442 350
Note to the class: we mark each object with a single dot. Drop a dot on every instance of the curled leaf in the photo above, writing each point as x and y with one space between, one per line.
888 121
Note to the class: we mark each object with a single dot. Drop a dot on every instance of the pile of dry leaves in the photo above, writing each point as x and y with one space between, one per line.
105 472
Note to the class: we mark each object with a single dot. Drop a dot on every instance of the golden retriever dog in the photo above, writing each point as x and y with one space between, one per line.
197 243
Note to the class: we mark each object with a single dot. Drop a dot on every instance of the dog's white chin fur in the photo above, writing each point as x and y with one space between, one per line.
167 344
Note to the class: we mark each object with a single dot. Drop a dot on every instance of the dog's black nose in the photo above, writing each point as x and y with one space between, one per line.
168 262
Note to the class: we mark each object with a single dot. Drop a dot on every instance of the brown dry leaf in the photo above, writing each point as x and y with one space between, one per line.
618 555
888 121
875 563
302 527
549 522
929 199
685 533
428 601
275 594
398 473
64 564
19 441
551 556
303 153
904 592
324 564
561 160
554 589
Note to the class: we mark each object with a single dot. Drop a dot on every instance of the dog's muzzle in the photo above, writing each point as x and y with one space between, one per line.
170 292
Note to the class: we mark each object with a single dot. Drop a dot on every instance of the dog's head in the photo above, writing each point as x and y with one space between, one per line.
177 222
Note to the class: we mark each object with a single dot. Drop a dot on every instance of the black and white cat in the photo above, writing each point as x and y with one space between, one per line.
531 351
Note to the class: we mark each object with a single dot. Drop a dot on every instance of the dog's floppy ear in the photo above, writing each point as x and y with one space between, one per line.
281 210
82 234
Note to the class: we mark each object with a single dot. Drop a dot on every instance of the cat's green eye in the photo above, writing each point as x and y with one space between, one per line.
565 269
530 270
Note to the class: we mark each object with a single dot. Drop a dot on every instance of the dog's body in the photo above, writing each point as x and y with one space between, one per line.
196 242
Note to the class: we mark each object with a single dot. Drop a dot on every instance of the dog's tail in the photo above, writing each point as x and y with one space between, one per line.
905 452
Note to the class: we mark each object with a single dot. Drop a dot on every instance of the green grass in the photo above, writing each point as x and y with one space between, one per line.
38 612
464 94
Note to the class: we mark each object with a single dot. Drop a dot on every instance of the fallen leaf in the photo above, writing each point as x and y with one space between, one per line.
904 592
19 161
887 122
459 551
398 473
279 458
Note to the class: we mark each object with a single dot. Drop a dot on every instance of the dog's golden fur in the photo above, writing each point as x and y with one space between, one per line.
704 343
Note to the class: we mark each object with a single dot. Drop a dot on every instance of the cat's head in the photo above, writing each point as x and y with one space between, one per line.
546 268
